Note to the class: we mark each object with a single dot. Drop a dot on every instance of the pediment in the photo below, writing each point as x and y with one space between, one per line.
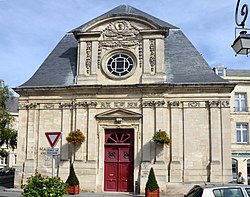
119 113
143 19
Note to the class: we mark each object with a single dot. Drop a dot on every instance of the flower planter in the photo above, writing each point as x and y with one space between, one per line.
161 137
155 193
73 189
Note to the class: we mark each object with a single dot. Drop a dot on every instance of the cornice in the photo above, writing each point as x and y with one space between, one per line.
130 88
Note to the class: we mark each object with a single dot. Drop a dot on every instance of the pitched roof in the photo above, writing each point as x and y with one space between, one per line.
12 104
184 64
59 69
131 11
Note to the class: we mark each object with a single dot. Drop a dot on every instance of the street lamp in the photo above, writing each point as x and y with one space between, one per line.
241 44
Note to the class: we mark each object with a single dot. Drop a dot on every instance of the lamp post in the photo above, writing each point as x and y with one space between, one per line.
241 44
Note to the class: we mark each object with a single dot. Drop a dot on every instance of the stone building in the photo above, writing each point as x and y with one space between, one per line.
120 78
239 109
12 106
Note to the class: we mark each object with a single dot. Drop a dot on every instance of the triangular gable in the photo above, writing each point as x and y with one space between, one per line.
127 10
118 113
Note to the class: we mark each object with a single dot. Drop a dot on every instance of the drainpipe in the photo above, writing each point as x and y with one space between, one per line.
38 139
222 155
154 108
209 142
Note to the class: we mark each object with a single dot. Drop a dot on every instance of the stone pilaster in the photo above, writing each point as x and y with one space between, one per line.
92 138
175 168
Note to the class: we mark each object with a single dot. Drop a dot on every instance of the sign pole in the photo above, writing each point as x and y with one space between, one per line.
53 166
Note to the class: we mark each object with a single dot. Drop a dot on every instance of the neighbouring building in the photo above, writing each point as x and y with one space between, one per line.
119 78
240 117
12 106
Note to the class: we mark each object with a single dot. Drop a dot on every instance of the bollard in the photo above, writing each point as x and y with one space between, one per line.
137 188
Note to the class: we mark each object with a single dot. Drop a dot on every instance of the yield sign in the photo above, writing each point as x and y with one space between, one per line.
53 137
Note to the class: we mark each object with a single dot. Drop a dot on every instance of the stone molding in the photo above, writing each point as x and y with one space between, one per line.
152 58
193 104
28 106
71 105
218 104
173 103
118 117
160 103
126 104
88 57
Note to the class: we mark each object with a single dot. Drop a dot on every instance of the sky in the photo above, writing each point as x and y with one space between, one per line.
30 29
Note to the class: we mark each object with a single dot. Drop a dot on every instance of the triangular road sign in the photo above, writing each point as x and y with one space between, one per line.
52 137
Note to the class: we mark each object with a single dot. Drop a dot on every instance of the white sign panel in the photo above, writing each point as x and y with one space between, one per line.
53 151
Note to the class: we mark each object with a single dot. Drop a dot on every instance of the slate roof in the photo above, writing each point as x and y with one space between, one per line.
59 69
128 10
12 104
184 63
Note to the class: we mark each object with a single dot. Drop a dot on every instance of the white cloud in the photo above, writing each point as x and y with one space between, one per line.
31 29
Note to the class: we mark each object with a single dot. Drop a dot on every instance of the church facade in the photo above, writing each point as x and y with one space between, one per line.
119 79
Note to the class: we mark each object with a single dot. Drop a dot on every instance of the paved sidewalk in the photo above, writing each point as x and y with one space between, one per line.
17 192
11 192
108 194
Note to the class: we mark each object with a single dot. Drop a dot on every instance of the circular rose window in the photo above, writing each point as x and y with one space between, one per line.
120 65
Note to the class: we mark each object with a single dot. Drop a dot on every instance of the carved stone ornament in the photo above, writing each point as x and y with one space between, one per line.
121 31
173 103
118 120
194 104
49 106
153 103
119 34
118 104
152 58
225 104
71 105
28 106
214 103
88 57
218 103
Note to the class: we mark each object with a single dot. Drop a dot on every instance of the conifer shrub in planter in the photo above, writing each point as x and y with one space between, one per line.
73 182
152 188
39 185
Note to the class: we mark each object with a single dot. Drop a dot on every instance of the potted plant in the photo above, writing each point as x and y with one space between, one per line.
152 188
75 137
161 137
73 182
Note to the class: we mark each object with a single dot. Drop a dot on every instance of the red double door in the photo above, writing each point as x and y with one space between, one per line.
118 163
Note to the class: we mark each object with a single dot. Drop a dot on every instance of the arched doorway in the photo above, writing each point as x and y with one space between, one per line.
119 160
